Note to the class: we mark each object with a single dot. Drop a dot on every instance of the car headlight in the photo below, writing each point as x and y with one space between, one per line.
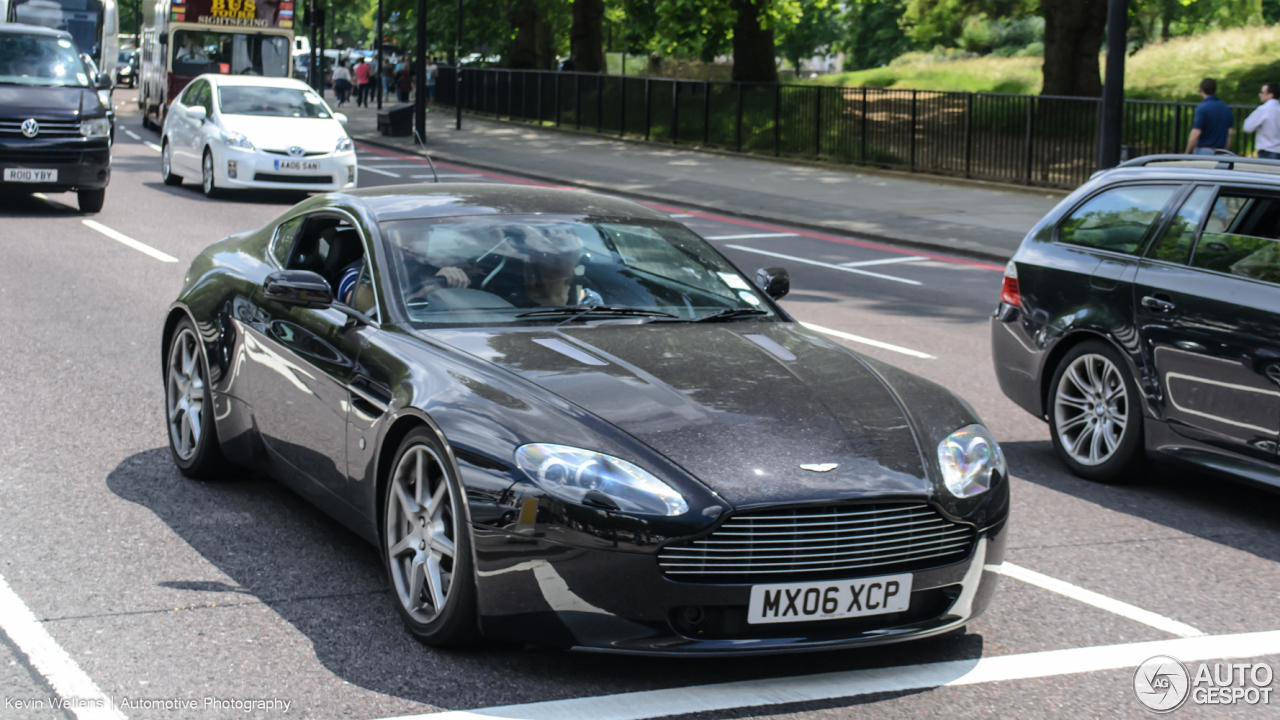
344 144
236 140
98 127
971 461
126 70
104 97
587 477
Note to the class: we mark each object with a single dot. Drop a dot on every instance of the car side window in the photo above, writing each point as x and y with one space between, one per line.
1175 244
327 245
188 96
204 99
1241 237
282 244
364 298
1116 219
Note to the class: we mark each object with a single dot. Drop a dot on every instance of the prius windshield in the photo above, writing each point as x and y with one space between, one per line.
271 102
40 60
529 268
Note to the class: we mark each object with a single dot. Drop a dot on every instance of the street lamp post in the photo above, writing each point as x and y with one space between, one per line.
1113 86
420 76
378 80
457 73
312 20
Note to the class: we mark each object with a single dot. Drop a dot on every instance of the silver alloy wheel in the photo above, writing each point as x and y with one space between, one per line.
166 160
207 175
1091 407
422 527
184 392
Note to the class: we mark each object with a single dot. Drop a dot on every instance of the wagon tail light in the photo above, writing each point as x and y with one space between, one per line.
1009 291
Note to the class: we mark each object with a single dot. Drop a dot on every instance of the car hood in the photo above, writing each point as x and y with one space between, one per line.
741 406
272 133
19 102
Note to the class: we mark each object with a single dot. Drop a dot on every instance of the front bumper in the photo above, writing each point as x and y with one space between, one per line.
541 593
259 169
82 164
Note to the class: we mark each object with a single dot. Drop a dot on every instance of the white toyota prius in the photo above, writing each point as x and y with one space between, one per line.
235 131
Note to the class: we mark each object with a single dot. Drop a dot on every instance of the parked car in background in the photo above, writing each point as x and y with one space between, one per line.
55 129
127 68
239 131
1141 319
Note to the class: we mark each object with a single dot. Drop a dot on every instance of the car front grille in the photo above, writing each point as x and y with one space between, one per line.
306 154
813 543
48 128
38 157
293 179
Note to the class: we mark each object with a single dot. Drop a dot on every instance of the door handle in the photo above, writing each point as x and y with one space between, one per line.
1158 304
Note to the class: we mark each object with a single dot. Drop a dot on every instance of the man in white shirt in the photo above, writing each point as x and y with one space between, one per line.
1266 122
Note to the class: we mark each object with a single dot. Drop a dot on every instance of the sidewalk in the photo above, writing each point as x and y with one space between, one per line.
969 218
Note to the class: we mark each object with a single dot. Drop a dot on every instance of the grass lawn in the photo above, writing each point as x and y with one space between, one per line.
1240 59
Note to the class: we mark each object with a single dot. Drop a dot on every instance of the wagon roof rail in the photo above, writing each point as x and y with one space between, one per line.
1225 161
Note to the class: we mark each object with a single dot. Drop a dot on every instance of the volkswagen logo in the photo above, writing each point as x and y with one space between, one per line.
30 128
296 151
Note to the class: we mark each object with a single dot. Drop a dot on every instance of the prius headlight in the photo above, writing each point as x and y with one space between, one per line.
344 144
971 461
99 127
236 140
587 477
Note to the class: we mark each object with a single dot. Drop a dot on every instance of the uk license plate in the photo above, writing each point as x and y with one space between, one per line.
297 165
30 175
829 599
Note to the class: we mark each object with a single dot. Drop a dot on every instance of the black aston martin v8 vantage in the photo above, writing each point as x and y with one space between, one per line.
566 420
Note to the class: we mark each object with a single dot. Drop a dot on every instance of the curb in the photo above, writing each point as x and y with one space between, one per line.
981 253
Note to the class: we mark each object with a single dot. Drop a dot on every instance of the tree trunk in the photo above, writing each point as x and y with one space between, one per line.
526 49
586 36
1073 33
753 51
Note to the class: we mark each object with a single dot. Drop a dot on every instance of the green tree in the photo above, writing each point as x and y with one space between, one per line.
818 29
873 33
940 22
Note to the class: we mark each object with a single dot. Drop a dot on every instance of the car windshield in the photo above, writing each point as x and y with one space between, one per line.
271 102
81 18
538 268
40 60
125 57
228 53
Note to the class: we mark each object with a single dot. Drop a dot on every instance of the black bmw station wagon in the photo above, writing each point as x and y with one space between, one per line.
1141 319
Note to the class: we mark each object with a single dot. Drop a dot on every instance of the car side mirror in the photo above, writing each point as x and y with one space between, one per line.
340 117
103 82
774 281
298 287
197 113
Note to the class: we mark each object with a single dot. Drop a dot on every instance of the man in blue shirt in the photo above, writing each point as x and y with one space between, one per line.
1214 126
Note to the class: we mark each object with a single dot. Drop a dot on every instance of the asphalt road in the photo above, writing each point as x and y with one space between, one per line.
160 588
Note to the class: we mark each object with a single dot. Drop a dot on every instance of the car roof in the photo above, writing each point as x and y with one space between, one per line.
20 28
438 200
1197 168
255 81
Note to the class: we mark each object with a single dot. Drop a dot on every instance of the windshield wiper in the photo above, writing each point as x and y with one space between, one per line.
728 313
576 312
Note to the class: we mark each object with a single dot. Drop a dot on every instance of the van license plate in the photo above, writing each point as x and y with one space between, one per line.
29 175
829 599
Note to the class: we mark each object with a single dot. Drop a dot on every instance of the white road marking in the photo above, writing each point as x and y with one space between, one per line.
748 236
444 175
1090 597
50 660
153 146
885 261
125 239
868 341
679 215
363 168
132 134
826 686
807 261
415 166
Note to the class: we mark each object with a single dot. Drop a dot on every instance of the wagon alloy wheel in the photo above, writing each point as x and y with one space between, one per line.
422 529
185 392
1091 409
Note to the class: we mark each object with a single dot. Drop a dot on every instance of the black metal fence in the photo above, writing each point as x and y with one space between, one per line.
1027 139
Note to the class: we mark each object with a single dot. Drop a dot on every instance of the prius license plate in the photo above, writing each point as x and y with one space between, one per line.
829 599
297 165
30 175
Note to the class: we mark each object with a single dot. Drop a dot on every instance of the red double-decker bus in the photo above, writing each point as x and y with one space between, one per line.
185 38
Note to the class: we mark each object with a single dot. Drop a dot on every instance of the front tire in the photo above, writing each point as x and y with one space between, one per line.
208 182
166 165
1095 415
193 439
426 545
91 201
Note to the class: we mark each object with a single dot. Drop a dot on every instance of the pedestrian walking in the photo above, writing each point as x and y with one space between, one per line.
1265 121
388 78
432 71
342 82
363 83
1213 128
404 82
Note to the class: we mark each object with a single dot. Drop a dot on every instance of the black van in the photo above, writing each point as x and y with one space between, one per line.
55 133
